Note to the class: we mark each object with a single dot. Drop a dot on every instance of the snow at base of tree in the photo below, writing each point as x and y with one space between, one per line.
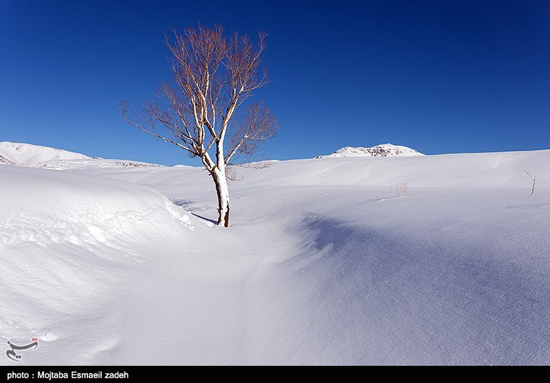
384 150
324 263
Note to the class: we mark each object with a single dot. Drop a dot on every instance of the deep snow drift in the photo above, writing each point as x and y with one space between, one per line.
323 264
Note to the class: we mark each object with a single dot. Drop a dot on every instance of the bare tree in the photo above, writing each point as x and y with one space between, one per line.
212 77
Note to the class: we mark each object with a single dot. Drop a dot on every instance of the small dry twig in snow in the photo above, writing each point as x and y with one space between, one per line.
401 189
534 181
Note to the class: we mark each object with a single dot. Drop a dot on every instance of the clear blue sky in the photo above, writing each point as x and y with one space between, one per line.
438 76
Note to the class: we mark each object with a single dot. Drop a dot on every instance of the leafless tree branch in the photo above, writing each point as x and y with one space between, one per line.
212 77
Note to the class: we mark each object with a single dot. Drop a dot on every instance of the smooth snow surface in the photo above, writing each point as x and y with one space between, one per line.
323 263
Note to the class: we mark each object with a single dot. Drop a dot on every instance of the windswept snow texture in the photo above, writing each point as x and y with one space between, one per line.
33 155
384 150
69 253
323 263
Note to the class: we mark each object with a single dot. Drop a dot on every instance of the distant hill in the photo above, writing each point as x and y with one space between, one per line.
33 155
42 156
384 150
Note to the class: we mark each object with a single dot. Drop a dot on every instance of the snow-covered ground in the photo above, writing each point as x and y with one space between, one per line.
324 263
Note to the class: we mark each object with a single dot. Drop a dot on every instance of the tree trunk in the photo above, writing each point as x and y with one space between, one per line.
222 191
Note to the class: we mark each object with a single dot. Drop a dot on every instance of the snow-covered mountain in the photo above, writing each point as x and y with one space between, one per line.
5 161
42 156
34 155
384 150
